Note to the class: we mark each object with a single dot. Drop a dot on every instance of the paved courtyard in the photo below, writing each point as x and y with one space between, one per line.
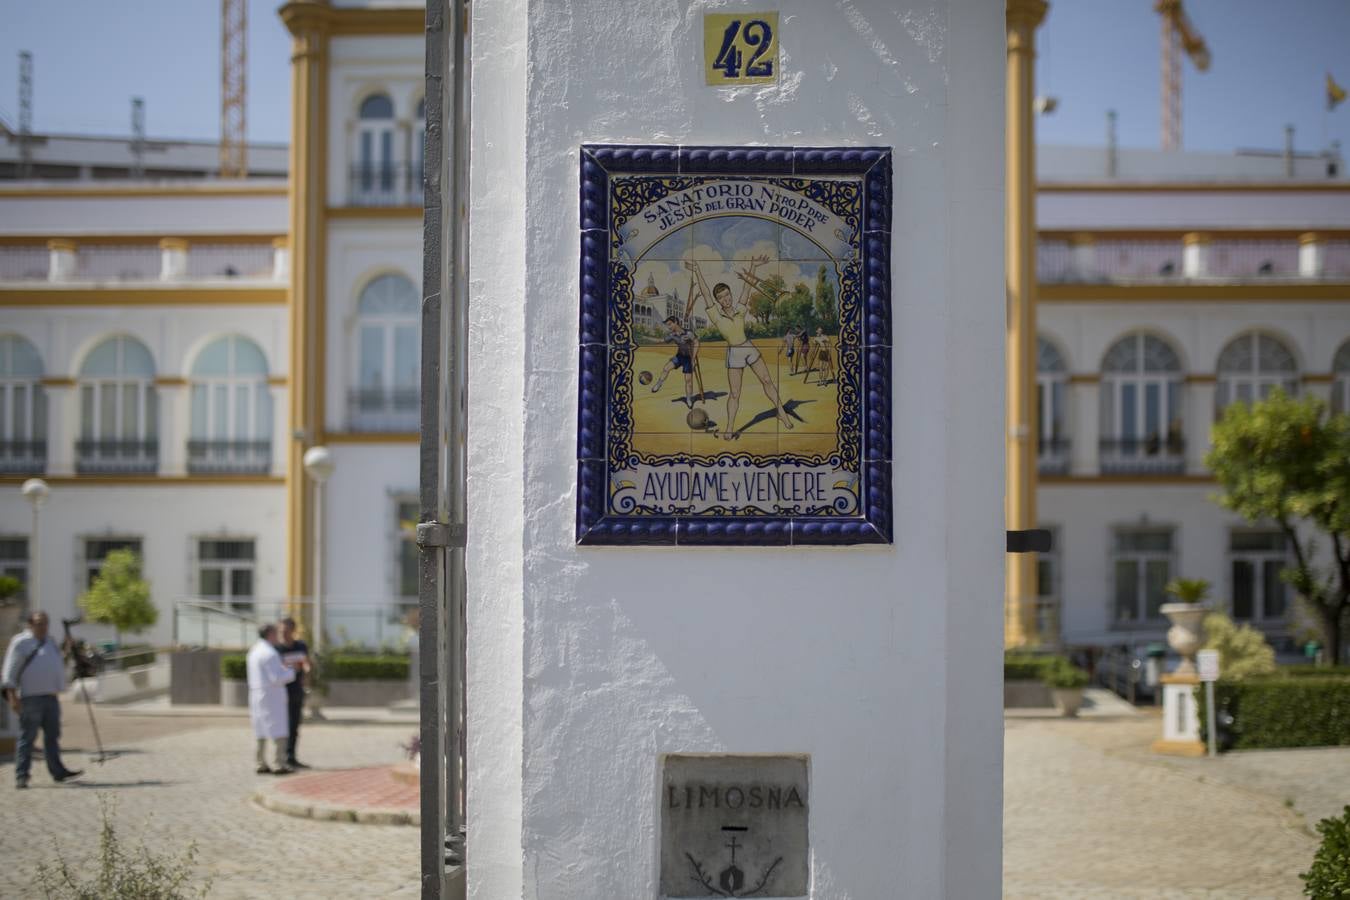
181 780
1089 811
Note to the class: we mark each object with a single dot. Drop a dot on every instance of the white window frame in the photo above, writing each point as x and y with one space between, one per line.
19 568
399 538
1049 606
375 152
1255 382
1170 387
1258 559
227 567
1141 559
386 414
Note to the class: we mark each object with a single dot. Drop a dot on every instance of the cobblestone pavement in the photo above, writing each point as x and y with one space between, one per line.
177 786
1090 812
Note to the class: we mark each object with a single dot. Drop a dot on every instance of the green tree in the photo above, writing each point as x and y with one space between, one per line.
764 298
1243 650
1285 461
120 597
827 312
797 309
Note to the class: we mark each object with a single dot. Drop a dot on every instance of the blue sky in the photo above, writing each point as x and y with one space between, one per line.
1270 60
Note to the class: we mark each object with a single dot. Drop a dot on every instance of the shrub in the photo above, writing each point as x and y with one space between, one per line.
234 666
1283 712
1329 874
123 874
1315 671
1028 666
1064 676
1243 650
10 587
365 668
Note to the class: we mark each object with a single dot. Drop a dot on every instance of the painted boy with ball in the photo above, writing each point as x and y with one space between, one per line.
686 351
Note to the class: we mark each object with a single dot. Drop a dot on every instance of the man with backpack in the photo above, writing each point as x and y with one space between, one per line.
32 676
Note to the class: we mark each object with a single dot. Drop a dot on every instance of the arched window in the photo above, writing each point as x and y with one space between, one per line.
1340 387
1251 366
388 350
1141 407
119 412
23 408
374 176
231 421
1052 425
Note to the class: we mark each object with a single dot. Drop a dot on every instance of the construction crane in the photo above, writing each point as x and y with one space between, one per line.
233 90
25 114
1178 34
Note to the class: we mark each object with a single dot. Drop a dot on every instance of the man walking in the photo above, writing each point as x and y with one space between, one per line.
294 653
33 675
267 680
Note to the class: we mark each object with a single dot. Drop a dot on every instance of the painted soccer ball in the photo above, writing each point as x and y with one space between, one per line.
697 419
645 377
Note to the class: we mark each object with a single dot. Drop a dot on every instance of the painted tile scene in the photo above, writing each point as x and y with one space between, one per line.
734 346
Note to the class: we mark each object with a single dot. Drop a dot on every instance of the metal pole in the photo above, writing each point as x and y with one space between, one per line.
1210 718
318 565
34 565
442 513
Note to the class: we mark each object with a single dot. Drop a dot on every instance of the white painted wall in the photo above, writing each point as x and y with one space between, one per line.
883 664
168 519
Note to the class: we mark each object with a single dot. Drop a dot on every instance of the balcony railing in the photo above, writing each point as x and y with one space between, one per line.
142 262
237 457
23 457
383 409
385 186
1116 260
1052 456
116 456
1156 455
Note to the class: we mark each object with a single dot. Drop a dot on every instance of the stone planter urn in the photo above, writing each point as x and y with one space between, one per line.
233 692
1068 701
1186 634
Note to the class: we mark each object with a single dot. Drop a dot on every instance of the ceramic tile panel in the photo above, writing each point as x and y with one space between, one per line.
736 397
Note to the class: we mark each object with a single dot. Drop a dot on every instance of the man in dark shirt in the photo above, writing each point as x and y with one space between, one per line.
686 352
294 653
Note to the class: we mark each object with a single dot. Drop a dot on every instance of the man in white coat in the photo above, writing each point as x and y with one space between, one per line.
267 680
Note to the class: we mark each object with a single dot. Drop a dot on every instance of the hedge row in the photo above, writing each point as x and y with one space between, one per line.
1271 713
335 668
1029 666
1316 671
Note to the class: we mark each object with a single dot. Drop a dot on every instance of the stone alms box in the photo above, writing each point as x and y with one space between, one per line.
734 346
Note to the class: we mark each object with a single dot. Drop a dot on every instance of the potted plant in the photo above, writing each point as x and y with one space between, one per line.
1187 616
1066 683
233 680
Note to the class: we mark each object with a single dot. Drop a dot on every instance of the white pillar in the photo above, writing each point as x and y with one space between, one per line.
1198 407
61 260
1312 255
1085 426
173 425
281 259
63 426
173 259
1083 256
1195 255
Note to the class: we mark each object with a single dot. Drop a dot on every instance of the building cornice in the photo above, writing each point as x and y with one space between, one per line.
1216 187
371 437
121 190
121 240
179 294
1181 292
151 480
318 16
1094 235
375 212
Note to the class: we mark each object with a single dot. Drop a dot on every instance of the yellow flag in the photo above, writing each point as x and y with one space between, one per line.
1335 93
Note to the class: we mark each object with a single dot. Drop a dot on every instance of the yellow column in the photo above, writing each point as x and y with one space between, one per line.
1020 598
308 22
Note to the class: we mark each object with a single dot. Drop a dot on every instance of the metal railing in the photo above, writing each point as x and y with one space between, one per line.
1052 456
116 456
132 262
245 457
1226 260
23 457
251 261
1148 455
383 409
372 623
392 185
24 263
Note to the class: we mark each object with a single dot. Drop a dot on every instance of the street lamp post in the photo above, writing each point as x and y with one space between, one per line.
35 491
319 465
